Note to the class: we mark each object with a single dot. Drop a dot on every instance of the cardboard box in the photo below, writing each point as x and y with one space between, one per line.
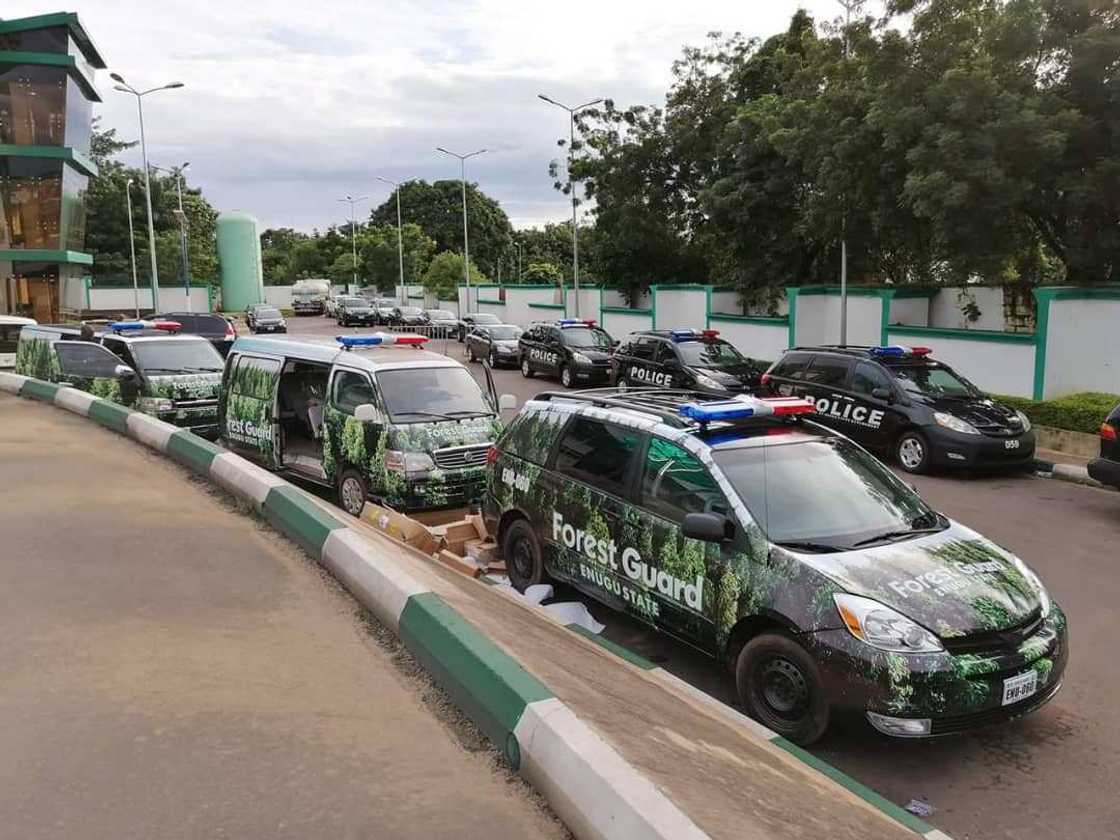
460 564
402 528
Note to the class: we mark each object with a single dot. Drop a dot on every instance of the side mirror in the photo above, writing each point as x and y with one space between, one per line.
615 343
124 372
366 413
882 394
507 402
709 527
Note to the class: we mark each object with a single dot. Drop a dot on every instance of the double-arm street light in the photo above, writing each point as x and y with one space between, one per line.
132 246
849 7
125 87
352 200
184 255
400 237
571 189
466 246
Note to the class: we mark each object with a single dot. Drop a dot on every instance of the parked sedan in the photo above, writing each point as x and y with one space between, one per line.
475 319
1106 468
215 328
266 319
409 316
496 343
356 312
444 323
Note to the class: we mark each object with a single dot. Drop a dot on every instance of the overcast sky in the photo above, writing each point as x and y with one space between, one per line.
289 105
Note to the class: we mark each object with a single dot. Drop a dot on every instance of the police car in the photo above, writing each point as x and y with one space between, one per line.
571 350
695 359
901 402
782 549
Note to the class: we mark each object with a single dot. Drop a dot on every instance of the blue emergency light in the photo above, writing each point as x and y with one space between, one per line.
693 335
349 341
892 351
121 326
723 410
677 335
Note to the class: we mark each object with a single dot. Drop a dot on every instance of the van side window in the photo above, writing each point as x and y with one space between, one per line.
532 434
120 348
674 483
828 372
644 349
792 365
85 359
665 353
868 377
351 390
600 454
255 377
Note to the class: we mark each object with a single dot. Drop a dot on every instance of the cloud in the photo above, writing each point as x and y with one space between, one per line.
288 105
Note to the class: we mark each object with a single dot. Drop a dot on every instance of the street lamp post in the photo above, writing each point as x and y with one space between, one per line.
400 237
125 87
849 6
571 189
466 245
184 254
132 247
353 236
519 263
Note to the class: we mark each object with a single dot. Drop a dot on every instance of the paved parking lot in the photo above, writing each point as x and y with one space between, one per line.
1038 777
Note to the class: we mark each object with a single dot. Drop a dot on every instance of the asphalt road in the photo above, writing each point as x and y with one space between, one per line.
171 668
1043 776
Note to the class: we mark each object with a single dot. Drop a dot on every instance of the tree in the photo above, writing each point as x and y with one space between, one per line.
437 209
445 273
542 273
380 261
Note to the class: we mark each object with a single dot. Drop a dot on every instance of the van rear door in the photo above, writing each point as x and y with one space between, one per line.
247 415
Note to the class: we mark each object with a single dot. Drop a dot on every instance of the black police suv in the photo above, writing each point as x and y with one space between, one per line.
496 343
265 319
899 401
573 350
408 316
1106 468
698 360
356 312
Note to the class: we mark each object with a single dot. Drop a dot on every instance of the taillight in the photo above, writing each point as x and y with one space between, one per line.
492 455
1108 431
765 380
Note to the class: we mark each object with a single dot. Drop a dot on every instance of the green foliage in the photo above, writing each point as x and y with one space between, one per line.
379 258
1076 413
542 273
445 273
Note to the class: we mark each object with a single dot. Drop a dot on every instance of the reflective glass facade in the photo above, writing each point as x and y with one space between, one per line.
33 105
52 39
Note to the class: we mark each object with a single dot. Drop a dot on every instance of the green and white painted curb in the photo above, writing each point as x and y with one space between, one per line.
586 781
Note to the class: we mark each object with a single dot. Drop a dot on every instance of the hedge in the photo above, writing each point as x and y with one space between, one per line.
1076 412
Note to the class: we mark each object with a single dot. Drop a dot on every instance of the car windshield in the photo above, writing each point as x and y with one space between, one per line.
440 315
823 494
504 333
934 380
586 337
709 353
355 304
485 318
410 310
424 395
161 358
268 313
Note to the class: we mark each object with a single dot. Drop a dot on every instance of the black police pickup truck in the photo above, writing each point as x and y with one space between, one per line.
899 401
698 360
573 350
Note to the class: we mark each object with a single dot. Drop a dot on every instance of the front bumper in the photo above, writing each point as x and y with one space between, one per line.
1105 471
954 692
201 421
359 320
953 449
262 328
440 489
593 373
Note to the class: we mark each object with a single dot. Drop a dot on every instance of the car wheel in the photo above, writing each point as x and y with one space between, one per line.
352 492
912 452
462 335
566 376
780 686
493 360
526 371
521 551
470 354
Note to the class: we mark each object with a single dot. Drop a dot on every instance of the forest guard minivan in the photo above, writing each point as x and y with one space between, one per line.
371 416
781 549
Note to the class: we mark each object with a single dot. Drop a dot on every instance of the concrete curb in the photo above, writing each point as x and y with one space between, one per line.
1065 472
589 785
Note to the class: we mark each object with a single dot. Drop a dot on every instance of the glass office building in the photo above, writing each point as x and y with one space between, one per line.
47 66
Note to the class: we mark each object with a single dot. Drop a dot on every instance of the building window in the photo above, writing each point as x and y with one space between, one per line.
31 203
53 39
33 105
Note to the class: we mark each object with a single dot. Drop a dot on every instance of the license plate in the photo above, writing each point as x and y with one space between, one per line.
1020 687
1011 444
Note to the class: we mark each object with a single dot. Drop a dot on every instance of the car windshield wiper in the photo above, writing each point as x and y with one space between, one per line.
465 414
204 369
424 414
815 547
893 536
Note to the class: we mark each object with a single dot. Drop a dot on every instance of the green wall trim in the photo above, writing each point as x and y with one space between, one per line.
676 287
792 293
65 153
906 292
70 21
530 286
884 319
708 308
87 281
653 306
624 310
1107 292
299 518
546 305
964 335
773 321
12 58
33 255
853 291
1043 296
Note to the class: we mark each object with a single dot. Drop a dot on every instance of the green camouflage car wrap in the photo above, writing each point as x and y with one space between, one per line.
989 610
348 442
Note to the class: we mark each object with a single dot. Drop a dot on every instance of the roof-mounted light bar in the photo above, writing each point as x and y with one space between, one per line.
349 342
129 326
693 335
745 407
575 322
897 351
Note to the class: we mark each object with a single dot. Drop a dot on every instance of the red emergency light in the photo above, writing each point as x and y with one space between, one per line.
786 406
168 326
410 339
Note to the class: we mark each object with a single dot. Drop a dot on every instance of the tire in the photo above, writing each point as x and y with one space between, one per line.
780 686
521 551
566 376
462 335
352 491
526 371
911 451
493 361
470 354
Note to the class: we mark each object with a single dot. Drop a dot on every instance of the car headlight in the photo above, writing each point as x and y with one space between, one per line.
155 405
1032 578
883 628
705 381
408 462
580 359
956 424
1026 421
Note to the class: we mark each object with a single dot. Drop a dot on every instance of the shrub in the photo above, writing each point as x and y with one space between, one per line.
1076 412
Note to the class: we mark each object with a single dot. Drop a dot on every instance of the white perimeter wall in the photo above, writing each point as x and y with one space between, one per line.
493 307
1082 347
913 312
818 320
945 308
613 297
680 309
124 301
996 367
588 304
517 304
621 324
758 341
728 302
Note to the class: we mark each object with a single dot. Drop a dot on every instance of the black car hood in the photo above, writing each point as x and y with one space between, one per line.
593 355
954 582
744 374
981 412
